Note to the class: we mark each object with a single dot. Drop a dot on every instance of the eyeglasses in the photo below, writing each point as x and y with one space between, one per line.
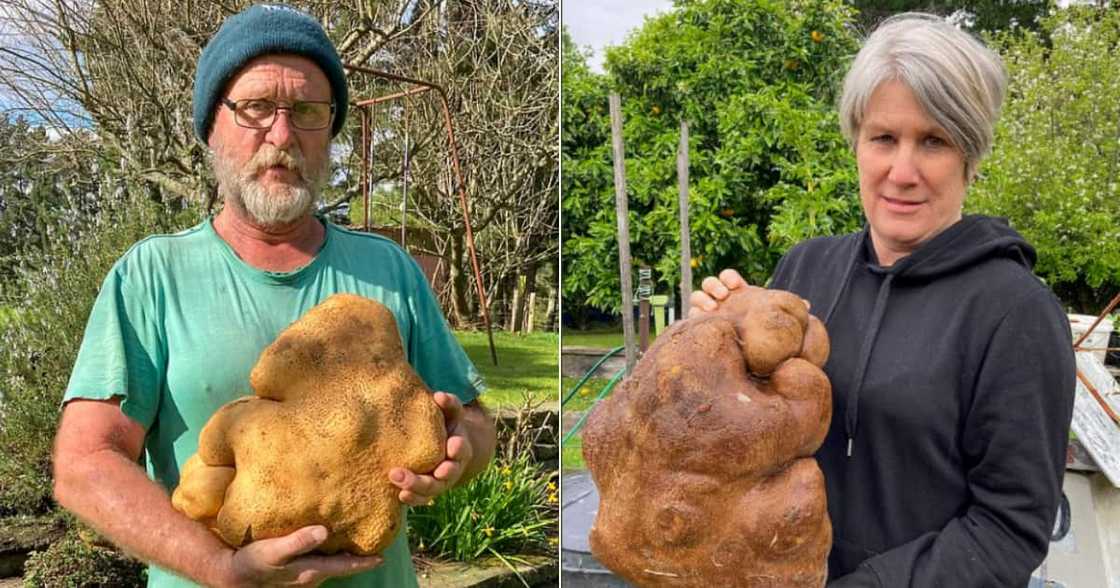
260 113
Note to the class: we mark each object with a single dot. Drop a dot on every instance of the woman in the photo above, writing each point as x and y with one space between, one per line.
951 364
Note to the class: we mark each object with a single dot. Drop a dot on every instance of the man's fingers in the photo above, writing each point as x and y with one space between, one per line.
448 471
459 449
427 486
714 288
451 407
731 279
314 568
281 549
415 499
416 490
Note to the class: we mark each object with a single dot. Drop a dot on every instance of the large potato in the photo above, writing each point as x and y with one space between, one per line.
336 407
703 458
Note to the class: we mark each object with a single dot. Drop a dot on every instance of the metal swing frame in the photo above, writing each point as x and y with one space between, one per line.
415 87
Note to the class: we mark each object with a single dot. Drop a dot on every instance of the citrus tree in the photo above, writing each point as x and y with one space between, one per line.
757 81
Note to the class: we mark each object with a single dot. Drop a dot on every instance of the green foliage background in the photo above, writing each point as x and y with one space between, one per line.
756 81
72 562
56 287
1054 167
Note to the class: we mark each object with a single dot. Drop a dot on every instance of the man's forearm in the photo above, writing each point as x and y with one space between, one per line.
114 496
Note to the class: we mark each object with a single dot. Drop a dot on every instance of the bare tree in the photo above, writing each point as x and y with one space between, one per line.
119 74
498 60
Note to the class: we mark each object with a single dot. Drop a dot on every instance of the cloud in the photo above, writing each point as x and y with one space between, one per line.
598 25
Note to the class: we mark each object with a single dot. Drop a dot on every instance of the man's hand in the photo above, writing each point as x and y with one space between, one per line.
470 444
713 291
97 478
282 561
421 489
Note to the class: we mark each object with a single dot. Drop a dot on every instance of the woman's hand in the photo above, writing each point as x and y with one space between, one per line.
714 290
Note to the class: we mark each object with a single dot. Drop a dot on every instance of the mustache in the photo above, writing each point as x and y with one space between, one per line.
268 156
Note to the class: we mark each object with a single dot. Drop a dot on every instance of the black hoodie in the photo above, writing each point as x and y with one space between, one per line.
952 377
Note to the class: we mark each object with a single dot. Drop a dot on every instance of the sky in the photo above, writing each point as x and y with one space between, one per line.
596 24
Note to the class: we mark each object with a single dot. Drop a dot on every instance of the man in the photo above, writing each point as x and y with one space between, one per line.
181 319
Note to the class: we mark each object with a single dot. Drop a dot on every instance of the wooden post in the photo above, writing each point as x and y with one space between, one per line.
686 246
529 316
622 213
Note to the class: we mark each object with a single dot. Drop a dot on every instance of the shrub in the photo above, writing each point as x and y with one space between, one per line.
510 508
49 303
1054 164
73 563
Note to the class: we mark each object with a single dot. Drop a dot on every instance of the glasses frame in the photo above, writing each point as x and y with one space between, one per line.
232 105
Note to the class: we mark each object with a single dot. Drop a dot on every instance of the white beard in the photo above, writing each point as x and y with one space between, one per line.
278 204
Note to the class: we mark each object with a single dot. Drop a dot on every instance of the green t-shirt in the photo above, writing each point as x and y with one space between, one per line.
181 319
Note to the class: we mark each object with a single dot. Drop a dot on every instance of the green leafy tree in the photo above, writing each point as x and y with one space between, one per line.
40 182
39 342
756 80
1054 167
982 15
586 180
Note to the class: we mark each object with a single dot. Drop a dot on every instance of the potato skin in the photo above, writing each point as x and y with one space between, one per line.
336 407
703 457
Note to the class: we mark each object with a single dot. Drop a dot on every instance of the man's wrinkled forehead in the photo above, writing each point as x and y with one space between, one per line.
269 76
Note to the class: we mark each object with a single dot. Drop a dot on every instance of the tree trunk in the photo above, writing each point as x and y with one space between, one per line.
529 290
550 310
458 281
550 321
513 324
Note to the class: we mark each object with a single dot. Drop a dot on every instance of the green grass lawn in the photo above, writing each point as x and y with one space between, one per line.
528 365
586 395
605 338
571 456
572 453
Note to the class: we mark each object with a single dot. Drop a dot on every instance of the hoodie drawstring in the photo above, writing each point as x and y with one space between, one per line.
851 412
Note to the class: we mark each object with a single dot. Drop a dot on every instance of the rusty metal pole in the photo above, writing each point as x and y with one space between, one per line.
1111 305
406 173
444 104
462 190
364 184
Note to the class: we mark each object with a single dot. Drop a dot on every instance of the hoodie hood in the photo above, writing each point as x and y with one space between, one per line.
972 240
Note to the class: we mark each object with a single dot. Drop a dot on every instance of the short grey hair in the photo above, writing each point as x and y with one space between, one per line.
957 79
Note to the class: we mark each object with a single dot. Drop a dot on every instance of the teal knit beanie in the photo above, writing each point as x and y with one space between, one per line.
261 30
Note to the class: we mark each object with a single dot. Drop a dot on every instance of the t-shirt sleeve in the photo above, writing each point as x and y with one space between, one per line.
121 353
434 352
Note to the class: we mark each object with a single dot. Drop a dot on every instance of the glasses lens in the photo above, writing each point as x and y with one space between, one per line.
257 114
311 115
261 114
